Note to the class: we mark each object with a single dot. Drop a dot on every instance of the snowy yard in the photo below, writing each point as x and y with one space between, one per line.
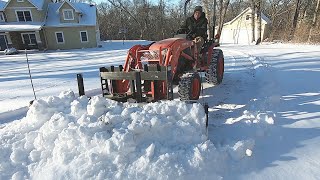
53 72
264 120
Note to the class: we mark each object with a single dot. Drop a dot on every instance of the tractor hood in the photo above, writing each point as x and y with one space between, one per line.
168 43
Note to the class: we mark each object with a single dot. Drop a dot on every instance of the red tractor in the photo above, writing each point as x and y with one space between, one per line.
150 71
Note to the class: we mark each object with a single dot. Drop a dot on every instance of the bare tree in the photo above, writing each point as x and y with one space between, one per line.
253 20
207 11
305 6
314 21
76 1
222 14
258 22
118 4
279 13
210 8
295 18
162 19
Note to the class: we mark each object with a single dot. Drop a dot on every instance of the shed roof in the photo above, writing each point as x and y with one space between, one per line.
249 10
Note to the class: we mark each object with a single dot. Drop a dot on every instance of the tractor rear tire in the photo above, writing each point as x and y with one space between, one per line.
214 74
189 86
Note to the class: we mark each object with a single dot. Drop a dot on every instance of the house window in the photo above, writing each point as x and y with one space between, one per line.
29 38
68 14
24 16
84 36
247 17
20 0
59 37
2 17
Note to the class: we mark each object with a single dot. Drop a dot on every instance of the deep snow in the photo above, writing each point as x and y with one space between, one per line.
264 120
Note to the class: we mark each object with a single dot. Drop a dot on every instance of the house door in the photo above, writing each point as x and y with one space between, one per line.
3 42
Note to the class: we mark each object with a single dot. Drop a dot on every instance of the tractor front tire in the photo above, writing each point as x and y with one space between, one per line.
214 74
189 86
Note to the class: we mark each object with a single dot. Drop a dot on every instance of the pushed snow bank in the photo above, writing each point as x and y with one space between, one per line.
65 137
73 138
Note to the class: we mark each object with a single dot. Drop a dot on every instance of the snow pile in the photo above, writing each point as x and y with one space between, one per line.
241 149
74 138
246 130
261 118
258 63
66 137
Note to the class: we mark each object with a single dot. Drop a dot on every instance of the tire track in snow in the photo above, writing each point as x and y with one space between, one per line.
239 86
237 120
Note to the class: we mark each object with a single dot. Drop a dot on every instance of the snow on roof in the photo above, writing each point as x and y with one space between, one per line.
87 18
2 5
71 4
263 16
37 3
18 26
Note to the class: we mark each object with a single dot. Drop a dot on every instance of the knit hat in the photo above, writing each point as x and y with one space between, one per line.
197 8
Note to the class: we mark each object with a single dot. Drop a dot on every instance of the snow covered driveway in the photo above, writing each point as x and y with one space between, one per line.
264 120
278 84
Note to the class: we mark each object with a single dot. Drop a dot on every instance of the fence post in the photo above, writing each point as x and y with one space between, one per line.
80 85
206 110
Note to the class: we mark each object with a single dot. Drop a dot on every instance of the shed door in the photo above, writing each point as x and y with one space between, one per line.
236 36
3 42
242 36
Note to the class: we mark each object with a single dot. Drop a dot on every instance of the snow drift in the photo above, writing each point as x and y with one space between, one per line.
65 137
74 138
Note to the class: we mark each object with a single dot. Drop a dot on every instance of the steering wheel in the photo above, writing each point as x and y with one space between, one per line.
186 31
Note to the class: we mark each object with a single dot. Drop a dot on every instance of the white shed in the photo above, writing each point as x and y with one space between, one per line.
239 30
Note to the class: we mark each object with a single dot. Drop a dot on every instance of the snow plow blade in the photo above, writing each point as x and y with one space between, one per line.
147 85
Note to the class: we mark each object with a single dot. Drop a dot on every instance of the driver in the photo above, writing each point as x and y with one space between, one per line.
197 26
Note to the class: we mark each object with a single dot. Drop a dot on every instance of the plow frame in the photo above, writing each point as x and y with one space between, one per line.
158 77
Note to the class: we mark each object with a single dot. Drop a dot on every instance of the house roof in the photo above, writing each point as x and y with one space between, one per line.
71 4
18 26
263 17
37 3
88 15
2 4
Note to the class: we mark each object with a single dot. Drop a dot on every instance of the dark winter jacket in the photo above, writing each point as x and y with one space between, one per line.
196 27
